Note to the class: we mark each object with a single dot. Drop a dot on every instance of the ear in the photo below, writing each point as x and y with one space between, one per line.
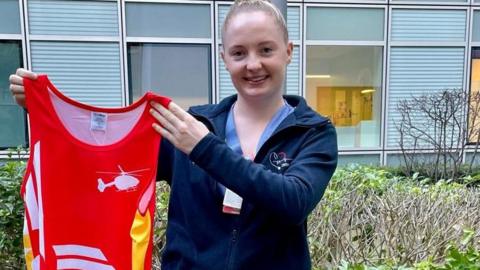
289 52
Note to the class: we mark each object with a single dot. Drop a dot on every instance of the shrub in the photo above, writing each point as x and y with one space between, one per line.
11 215
456 258
163 192
370 217
434 129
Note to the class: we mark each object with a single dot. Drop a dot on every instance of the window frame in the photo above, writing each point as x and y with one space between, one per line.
471 144
167 40
20 37
93 39
344 42
359 2
473 10
382 44
448 44
25 143
471 46
430 3
379 154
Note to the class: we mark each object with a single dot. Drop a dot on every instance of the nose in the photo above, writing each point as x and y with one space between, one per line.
253 62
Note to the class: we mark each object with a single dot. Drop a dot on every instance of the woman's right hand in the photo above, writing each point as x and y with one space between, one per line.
16 84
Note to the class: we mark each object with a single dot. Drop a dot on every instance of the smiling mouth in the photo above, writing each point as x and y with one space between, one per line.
257 79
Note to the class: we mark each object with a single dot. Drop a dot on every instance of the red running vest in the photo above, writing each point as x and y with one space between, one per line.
89 187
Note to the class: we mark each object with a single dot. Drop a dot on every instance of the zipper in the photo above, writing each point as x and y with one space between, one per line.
234 235
233 241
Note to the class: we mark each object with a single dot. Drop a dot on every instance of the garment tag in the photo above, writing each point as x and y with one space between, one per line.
232 203
98 121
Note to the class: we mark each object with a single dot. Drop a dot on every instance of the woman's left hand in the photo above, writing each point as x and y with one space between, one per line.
178 126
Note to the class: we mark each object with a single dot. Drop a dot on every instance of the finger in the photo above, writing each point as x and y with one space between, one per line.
26 74
170 117
15 79
164 122
178 111
17 89
20 99
164 133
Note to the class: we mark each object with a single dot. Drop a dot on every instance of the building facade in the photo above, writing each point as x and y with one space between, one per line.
353 60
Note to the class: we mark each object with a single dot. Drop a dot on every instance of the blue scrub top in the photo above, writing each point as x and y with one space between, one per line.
231 136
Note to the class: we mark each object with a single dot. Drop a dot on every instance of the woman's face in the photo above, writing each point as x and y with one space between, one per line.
256 54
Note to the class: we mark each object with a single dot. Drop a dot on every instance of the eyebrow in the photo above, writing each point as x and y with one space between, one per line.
241 46
267 42
234 47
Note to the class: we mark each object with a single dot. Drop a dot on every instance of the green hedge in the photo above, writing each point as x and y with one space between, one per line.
369 218
11 215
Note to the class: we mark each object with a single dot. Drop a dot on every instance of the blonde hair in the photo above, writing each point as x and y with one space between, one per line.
266 6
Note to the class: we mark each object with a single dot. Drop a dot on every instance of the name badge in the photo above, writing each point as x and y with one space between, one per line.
232 203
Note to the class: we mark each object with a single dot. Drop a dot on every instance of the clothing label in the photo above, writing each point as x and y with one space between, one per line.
98 121
232 203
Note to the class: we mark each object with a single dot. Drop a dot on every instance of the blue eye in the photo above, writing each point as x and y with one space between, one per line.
267 50
236 54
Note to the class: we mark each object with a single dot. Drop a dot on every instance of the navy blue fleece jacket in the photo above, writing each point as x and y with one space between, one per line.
280 187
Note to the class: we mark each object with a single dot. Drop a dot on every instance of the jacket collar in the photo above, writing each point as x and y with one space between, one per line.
302 116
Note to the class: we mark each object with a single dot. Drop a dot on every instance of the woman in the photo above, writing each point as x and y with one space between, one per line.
245 173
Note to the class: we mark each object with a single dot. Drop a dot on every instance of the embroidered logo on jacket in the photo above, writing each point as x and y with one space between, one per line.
279 160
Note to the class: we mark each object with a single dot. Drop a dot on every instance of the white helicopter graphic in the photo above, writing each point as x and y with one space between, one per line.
124 180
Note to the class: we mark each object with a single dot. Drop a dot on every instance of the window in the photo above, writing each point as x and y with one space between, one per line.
476 26
89 72
73 18
77 43
428 25
333 23
292 77
429 1
475 86
364 159
168 20
12 117
344 71
163 68
475 79
9 17
169 51
344 83
416 70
